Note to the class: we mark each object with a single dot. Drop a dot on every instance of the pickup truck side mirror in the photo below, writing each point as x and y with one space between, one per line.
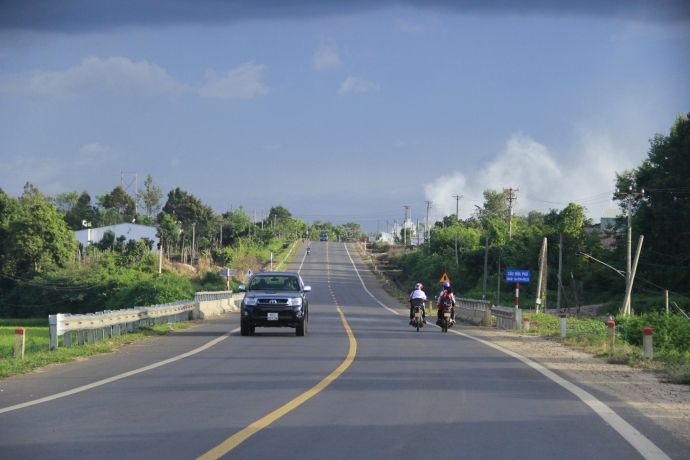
242 288
307 288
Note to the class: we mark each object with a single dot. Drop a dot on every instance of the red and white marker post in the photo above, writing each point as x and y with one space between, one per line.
19 342
611 335
647 346
563 324
517 295
525 323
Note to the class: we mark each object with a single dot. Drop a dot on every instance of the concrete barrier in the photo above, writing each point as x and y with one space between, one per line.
507 317
209 304
473 311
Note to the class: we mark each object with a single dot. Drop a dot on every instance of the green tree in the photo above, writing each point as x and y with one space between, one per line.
64 202
353 228
83 213
121 202
32 195
150 197
663 214
37 237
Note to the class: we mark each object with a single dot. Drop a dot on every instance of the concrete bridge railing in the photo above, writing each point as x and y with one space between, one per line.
208 304
477 312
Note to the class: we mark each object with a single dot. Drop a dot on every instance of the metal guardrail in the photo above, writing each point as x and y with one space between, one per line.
113 323
507 317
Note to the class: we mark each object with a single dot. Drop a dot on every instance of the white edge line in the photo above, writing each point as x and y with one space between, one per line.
640 442
365 288
303 257
118 377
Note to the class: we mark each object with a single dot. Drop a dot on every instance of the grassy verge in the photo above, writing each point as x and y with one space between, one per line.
292 248
36 348
590 335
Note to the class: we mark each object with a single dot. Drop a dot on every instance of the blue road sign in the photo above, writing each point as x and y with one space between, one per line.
518 276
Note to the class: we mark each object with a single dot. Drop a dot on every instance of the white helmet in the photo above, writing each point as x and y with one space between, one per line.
418 286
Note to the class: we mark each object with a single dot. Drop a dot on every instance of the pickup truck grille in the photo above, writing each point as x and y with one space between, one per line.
272 302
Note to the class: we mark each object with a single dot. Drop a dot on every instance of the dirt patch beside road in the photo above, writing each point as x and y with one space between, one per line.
667 405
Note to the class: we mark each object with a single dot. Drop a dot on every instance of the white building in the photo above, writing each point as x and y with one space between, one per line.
129 231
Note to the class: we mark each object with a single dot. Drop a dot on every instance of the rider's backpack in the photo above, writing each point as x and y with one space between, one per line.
447 302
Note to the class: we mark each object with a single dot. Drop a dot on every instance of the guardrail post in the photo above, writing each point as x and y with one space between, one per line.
611 335
19 342
116 330
99 334
647 346
525 323
52 332
67 339
80 337
563 324
89 336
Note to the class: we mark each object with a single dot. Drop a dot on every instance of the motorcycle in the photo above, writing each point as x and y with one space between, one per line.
446 316
417 314
308 251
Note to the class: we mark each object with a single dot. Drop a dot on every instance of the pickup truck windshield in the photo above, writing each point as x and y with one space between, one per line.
274 283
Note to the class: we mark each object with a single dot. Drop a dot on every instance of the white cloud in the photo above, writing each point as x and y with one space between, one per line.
357 85
326 58
586 177
93 75
240 83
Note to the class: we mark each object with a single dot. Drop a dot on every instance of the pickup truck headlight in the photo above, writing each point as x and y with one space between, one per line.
295 302
250 300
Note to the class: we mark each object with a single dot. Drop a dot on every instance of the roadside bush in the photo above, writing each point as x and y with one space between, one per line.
152 291
671 333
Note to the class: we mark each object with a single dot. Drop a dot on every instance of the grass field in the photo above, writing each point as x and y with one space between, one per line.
37 353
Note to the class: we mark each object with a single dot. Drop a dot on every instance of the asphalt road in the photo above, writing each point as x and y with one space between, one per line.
406 394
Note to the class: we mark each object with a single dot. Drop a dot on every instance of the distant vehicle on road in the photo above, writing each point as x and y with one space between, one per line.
325 236
274 299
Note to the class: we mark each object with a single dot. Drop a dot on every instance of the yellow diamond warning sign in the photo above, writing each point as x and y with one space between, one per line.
444 278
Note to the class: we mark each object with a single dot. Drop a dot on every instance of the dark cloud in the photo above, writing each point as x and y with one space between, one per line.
89 15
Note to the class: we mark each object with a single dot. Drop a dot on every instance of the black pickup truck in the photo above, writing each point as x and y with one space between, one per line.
275 299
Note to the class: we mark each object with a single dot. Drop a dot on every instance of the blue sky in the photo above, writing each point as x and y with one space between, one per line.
339 113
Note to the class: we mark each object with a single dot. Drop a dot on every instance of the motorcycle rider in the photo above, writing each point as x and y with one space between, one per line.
447 293
308 250
418 294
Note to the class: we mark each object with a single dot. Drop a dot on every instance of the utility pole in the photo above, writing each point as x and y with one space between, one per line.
220 244
629 197
457 262
511 198
560 272
407 208
628 290
428 231
486 266
160 267
193 239
457 206
498 278
542 264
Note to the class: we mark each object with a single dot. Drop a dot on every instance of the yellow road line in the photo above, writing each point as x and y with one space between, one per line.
236 439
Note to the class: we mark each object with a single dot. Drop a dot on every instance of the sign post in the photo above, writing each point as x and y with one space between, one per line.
228 273
517 277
